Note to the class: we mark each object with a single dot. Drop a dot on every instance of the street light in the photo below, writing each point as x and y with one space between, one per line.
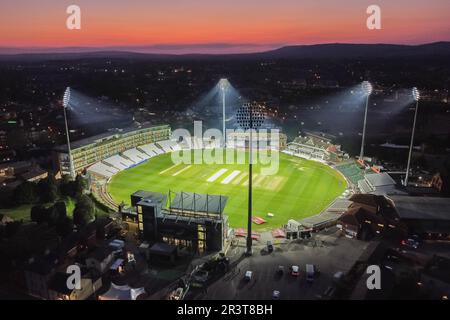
367 89
223 85
250 117
66 101
416 97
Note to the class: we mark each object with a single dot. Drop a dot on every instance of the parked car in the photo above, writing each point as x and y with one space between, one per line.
310 273
248 275
295 271
269 246
411 243
275 295
280 270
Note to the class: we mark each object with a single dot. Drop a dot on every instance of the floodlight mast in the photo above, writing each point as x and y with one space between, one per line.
223 88
249 251
416 96
250 117
66 100
367 89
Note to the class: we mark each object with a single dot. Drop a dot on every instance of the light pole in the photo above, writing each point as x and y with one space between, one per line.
66 101
250 117
367 89
416 97
223 84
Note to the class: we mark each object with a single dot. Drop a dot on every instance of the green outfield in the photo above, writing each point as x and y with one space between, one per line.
299 189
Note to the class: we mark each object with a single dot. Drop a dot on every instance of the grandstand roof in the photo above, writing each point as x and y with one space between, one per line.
195 202
422 208
149 197
100 137
379 179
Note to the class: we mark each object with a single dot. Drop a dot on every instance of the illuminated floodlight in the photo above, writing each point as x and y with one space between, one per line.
223 84
250 116
416 94
66 98
367 87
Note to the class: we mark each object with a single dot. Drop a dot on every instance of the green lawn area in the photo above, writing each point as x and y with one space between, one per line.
299 189
23 212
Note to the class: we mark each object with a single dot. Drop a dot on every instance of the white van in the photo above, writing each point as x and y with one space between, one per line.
310 273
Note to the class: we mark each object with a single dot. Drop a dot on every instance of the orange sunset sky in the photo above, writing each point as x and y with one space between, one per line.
233 25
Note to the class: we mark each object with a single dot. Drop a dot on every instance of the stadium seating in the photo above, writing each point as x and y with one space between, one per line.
135 155
102 169
151 149
119 162
351 171
166 145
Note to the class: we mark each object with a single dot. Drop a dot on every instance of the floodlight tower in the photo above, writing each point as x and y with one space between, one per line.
223 85
367 89
250 117
416 97
66 101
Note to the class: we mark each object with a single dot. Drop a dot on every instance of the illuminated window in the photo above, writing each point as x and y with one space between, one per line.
139 208
140 217
141 226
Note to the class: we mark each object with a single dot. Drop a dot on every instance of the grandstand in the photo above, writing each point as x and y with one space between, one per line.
314 147
351 171
89 151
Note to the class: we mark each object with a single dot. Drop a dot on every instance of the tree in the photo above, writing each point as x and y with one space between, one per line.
38 214
48 190
25 193
84 211
65 186
64 226
80 184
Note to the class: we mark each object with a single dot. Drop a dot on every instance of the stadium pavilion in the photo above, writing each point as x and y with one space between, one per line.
190 220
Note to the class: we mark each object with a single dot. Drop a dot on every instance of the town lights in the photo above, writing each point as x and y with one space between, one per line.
66 101
224 85
250 117
367 89
416 97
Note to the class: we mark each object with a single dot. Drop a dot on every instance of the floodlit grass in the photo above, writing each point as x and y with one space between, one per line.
300 188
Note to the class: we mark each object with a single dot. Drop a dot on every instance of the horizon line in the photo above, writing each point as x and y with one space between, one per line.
169 49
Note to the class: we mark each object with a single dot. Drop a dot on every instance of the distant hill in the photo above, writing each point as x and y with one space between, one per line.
320 51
